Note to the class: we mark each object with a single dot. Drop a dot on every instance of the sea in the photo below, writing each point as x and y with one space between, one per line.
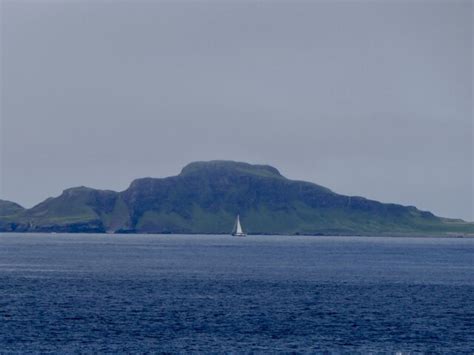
85 293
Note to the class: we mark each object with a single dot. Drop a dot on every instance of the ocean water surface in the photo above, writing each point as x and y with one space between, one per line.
173 293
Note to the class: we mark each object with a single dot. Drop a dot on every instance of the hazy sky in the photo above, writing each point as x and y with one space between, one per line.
370 98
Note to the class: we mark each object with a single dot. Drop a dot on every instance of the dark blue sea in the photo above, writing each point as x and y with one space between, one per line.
148 293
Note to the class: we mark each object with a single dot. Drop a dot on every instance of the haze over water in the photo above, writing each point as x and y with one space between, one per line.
137 293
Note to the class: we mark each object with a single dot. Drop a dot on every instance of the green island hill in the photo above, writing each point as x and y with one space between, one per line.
205 199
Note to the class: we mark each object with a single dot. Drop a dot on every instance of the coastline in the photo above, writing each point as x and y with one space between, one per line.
380 235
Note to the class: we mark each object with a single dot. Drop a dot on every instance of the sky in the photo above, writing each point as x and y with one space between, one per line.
369 98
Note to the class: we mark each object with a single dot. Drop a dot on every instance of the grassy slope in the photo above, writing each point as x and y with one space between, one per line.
302 220
8 208
206 196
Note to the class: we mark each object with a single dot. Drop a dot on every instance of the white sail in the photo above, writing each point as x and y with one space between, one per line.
238 231
239 227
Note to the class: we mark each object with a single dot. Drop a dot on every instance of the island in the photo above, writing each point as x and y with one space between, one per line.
205 199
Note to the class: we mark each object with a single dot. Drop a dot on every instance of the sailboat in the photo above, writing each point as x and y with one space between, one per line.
238 232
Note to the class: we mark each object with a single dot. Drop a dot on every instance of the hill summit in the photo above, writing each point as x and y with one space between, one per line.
230 167
205 198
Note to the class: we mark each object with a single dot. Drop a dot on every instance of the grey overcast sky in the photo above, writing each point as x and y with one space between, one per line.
369 98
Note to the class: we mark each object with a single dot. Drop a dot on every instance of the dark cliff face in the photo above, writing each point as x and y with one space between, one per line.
220 189
206 196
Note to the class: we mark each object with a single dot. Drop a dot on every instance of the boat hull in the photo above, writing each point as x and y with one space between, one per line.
239 234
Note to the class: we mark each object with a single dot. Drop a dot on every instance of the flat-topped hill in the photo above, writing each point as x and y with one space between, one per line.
205 198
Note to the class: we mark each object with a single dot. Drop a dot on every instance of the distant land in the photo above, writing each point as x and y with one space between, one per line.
205 199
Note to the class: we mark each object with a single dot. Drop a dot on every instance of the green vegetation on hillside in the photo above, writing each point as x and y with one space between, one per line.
205 198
